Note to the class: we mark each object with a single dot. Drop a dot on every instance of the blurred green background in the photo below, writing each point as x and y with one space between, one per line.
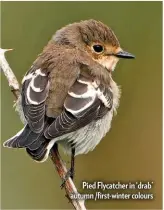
132 150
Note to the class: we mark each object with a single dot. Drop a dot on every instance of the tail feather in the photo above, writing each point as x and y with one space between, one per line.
35 143
39 154
38 142
19 140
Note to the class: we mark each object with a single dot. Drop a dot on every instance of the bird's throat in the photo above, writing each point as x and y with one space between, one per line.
108 62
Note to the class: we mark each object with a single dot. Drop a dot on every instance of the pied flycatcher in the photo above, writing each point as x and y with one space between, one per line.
68 95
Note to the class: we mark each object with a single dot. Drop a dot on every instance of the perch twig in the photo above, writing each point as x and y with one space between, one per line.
54 154
11 78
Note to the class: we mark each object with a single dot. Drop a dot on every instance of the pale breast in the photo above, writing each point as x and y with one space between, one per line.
86 138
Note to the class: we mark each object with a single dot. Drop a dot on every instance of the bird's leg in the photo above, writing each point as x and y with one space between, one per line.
71 171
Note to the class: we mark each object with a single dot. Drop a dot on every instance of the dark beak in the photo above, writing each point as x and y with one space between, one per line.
124 54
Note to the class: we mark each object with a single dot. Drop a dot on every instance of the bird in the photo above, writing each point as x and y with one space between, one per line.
68 95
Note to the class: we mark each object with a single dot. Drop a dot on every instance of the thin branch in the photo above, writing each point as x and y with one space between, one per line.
54 154
69 185
12 80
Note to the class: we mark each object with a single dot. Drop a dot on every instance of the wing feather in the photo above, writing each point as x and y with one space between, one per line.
86 101
34 93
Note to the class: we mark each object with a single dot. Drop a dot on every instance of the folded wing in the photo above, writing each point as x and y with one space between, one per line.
86 101
34 93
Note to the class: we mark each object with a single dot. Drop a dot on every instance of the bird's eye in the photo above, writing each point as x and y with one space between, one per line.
98 48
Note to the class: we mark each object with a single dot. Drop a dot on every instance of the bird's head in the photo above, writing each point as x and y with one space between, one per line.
97 39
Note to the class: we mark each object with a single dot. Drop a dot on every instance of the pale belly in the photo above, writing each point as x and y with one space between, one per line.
86 138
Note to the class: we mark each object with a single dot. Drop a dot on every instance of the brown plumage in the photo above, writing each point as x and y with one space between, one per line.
68 95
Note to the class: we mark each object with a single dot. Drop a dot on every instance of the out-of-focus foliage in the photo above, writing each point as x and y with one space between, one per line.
132 150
